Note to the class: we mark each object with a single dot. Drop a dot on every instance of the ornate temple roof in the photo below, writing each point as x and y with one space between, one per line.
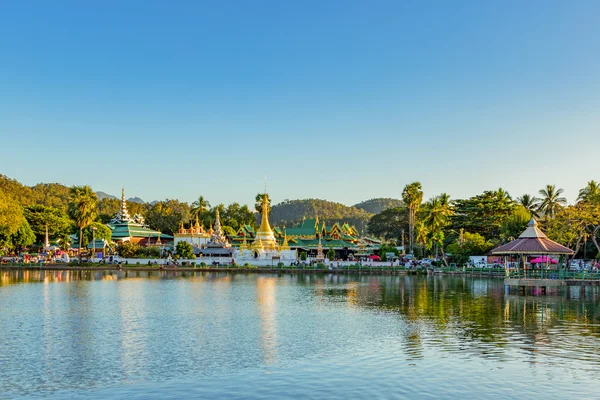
217 238
264 238
123 226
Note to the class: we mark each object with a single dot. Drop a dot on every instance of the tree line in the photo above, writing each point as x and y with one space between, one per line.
475 225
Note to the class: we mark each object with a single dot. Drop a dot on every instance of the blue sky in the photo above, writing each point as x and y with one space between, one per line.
342 100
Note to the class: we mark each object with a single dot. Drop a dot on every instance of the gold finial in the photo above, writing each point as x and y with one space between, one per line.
285 245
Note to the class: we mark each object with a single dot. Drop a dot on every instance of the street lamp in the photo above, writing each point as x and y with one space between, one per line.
94 229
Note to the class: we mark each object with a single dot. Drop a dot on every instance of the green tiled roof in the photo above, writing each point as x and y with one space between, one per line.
98 244
308 231
130 229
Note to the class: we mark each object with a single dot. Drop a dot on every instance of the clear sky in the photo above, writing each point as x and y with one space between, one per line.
341 100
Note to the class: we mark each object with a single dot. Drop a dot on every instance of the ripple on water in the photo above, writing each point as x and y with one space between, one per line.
209 335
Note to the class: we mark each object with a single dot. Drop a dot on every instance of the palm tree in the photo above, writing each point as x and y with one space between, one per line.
422 235
531 204
200 205
83 203
436 213
592 190
412 195
550 202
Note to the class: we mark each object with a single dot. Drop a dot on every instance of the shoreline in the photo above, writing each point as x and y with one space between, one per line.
256 270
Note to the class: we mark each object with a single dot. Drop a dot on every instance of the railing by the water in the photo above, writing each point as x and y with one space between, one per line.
553 274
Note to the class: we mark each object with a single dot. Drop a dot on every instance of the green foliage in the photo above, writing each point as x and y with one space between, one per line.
303 256
83 205
40 217
515 223
82 209
331 254
291 212
483 214
102 232
551 202
128 249
468 244
386 248
184 250
19 239
166 216
228 230
412 195
389 224
11 214
200 206
376 206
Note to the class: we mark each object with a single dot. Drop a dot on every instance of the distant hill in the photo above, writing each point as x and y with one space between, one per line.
102 196
375 206
291 212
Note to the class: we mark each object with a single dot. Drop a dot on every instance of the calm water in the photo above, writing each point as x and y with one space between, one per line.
206 335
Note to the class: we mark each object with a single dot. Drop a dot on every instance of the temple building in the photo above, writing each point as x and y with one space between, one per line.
217 245
133 229
194 235
314 238
265 245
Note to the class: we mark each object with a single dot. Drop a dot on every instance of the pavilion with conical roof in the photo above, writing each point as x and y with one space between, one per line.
532 242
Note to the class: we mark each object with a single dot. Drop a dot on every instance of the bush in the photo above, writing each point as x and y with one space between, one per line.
246 265
203 264
184 250
320 265
280 264
128 249
303 256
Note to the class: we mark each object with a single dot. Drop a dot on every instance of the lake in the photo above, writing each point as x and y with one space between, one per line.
157 335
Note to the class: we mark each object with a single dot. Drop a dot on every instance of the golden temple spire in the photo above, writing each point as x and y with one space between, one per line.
264 223
265 238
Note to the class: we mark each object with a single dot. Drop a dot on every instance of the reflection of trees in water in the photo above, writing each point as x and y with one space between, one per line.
458 313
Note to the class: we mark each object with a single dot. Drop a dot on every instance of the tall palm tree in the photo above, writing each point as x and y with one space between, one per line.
412 195
83 207
551 201
592 190
200 206
422 235
531 204
436 214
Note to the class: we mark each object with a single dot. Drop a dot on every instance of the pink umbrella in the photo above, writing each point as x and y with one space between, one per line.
543 260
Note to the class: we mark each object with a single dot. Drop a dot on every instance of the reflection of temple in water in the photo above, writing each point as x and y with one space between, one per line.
266 290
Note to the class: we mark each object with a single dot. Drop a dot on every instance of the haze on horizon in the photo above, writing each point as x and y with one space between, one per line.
342 100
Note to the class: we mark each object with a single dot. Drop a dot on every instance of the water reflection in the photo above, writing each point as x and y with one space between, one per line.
265 290
81 329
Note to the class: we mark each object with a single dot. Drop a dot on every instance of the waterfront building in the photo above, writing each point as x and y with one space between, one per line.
264 246
311 233
195 235
217 245
133 229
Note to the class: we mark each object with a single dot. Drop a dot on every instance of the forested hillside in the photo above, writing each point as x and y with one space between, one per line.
48 194
375 206
291 212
